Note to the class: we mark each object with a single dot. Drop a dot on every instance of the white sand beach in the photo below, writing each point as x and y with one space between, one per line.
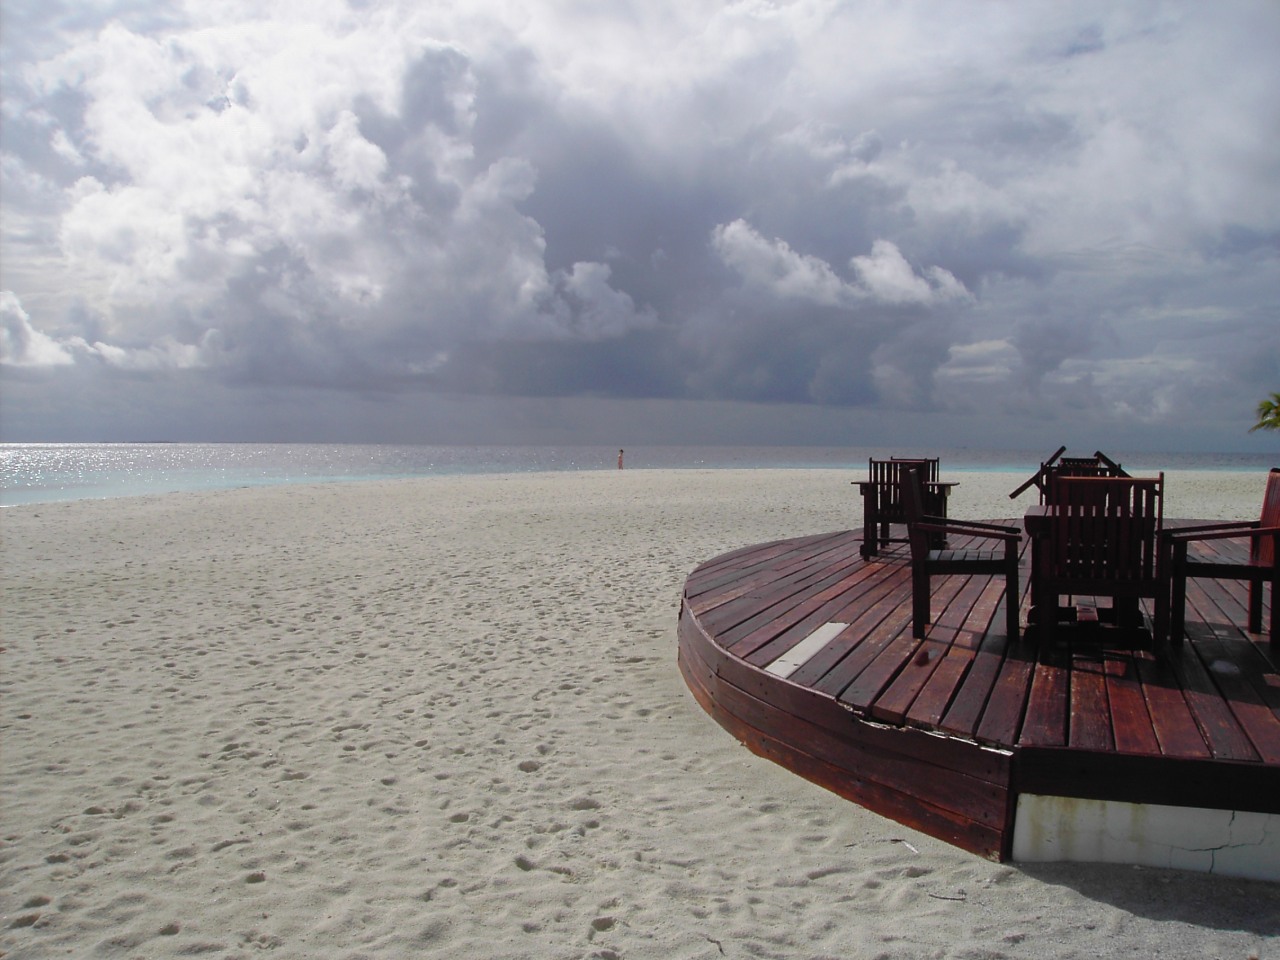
442 718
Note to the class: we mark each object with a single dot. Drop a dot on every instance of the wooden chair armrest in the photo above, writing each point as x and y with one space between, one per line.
1191 531
991 530
1225 533
975 524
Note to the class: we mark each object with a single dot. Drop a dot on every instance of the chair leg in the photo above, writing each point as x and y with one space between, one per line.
1178 597
1012 623
1128 614
1275 593
919 602
1255 603
1160 626
1012 597
870 527
1047 628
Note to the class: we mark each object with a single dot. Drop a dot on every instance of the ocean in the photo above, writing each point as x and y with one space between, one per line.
47 472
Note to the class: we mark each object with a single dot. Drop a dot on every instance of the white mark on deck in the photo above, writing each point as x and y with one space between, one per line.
803 652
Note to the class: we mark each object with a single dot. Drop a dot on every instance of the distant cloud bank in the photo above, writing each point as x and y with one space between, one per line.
1037 214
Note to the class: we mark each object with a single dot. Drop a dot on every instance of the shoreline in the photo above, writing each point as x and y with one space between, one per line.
442 717
1208 494
50 473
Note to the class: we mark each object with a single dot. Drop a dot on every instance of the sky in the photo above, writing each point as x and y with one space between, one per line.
992 224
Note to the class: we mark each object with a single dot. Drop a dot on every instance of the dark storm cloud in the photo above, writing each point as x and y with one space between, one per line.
831 206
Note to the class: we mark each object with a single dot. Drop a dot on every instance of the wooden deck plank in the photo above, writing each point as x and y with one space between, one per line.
826 606
745 621
854 613
1049 704
892 679
1131 724
967 606
767 573
780 624
881 660
1172 722
1089 723
730 605
1002 718
1240 673
731 567
939 691
970 702
1214 717
879 621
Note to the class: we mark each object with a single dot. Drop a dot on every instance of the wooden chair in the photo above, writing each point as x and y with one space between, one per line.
1099 465
1100 538
928 560
882 498
1264 548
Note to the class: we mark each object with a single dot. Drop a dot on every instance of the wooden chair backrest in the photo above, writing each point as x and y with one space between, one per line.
1263 551
1074 467
887 476
911 494
1099 465
1104 529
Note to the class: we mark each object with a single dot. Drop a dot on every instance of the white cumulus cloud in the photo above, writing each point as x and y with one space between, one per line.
21 344
884 277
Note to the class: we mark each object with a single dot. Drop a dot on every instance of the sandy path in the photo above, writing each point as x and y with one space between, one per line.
442 718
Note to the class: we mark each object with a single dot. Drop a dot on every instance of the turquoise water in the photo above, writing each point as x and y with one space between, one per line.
44 472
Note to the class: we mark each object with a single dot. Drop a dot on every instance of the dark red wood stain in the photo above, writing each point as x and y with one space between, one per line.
943 733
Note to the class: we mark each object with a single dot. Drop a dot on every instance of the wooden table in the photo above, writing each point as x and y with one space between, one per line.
877 520
1038 523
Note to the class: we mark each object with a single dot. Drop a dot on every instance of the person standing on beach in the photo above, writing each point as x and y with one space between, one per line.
619 459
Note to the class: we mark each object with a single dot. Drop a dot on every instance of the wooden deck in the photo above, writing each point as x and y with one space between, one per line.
803 650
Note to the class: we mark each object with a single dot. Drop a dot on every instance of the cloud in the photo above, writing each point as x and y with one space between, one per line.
775 267
886 276
1036 207
601 311
21 345
883 277
991 361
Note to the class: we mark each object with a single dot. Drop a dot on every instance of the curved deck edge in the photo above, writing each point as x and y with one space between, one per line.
1019 804
955 790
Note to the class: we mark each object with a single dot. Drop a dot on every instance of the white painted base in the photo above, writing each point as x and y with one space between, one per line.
1228 842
